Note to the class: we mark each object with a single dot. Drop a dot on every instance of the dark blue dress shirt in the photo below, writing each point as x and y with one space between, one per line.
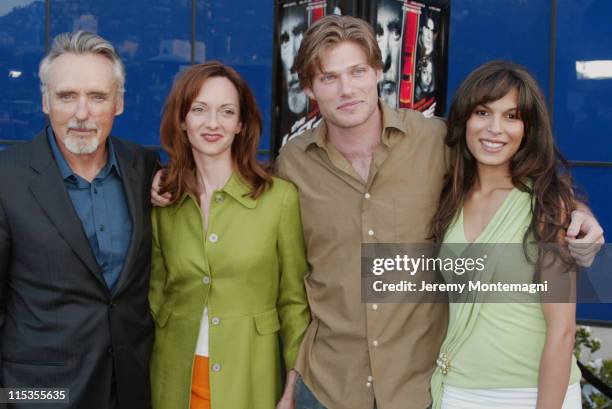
102 207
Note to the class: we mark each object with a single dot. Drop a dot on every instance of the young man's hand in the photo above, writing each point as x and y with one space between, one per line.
584 236
157 199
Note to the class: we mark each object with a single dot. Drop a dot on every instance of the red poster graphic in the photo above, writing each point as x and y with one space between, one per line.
317 10
411 26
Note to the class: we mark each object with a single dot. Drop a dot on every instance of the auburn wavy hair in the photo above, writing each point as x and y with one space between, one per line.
180 175
537 167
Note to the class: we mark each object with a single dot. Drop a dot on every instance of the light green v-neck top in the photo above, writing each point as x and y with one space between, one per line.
495 345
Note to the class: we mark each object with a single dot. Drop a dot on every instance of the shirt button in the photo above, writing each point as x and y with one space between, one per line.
374 307
216 321
370 232
368 384
219 199
206 280
370 378
375 343
216 367
102 228
367 195
213 238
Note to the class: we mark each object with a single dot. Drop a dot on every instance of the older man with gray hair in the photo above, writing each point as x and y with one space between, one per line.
75 243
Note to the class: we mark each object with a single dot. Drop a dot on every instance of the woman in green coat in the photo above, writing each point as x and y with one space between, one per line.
228 255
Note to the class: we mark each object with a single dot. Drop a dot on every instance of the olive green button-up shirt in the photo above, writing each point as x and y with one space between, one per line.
355 353
248 269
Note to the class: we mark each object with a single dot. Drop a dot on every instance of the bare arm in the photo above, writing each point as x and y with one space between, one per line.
556 361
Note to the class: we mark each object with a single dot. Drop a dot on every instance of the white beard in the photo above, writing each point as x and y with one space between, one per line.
81 146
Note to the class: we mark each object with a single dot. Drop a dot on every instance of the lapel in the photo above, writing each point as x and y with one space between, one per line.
49 190
132 172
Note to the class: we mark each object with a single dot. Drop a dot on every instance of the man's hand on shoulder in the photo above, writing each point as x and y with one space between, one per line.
157 199
584 236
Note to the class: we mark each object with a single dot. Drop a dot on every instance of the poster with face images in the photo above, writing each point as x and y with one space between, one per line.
413 38
294 111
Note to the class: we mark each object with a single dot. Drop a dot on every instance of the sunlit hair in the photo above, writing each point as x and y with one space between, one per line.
180 175
329 31
81 42
537 167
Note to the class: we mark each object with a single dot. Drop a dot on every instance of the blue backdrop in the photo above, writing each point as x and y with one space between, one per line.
155 37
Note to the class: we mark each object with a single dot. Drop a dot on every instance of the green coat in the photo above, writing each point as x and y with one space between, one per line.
249 271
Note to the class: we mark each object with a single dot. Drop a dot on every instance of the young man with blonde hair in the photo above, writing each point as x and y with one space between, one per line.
367 174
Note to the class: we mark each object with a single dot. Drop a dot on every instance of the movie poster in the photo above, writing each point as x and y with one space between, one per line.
412 37
295 112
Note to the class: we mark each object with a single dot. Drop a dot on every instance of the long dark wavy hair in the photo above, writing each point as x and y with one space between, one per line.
537 167
179 177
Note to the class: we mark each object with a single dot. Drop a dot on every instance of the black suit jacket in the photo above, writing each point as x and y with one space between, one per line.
60 325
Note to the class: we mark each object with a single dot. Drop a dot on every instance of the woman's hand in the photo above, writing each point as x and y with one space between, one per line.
286 401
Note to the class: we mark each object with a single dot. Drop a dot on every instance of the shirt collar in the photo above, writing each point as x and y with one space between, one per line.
318 136
234 187
390 117
112 156
64 168
238 189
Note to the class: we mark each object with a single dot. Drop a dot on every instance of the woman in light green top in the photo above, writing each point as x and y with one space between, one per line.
506 185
